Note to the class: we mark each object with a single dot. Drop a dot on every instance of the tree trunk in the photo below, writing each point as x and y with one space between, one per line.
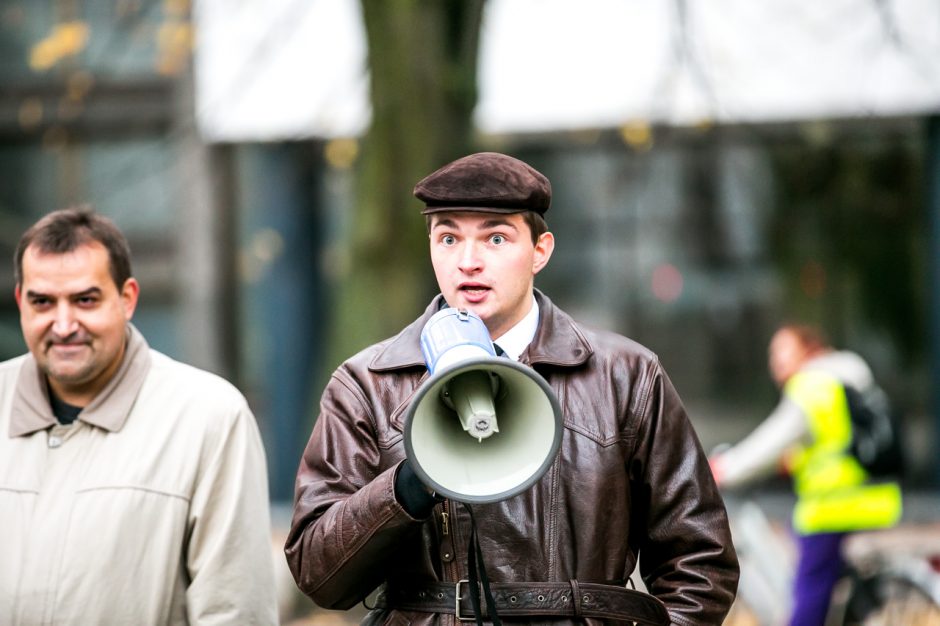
422 56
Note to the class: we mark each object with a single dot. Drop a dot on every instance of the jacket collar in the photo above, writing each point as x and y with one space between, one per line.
558 341
109 410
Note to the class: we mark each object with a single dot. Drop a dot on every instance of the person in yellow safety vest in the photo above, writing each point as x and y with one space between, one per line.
809 433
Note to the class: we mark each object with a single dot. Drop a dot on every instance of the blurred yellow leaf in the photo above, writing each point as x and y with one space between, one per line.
72 37
66 39
341 153
174 44
637 134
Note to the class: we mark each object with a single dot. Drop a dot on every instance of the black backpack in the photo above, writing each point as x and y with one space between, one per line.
876 436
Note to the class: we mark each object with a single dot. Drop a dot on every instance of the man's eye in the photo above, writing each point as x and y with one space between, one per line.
40 302
498 240
448 240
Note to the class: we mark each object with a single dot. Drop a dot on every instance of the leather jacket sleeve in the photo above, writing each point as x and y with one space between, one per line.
347 524
679 522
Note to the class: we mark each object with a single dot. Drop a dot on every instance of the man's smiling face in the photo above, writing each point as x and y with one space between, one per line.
486 262
74 318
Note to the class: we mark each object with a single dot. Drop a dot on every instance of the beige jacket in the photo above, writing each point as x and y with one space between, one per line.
150 509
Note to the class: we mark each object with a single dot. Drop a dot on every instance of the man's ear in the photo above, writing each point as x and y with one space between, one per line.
543 251
18 295
130 292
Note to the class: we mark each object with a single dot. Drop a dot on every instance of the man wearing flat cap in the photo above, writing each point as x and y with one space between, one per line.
630 482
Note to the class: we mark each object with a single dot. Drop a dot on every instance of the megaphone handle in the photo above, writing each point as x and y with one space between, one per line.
475 560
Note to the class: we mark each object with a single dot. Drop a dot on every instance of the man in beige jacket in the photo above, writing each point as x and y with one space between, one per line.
132 487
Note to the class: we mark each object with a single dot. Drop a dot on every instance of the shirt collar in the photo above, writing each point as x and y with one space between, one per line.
109 410
558 341
517 338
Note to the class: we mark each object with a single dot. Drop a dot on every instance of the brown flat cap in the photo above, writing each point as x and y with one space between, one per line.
487 182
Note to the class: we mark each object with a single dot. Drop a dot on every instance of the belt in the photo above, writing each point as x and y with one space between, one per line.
549 599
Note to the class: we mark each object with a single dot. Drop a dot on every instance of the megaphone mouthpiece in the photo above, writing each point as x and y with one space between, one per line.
470 395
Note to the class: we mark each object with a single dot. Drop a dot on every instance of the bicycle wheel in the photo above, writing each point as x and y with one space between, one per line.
889 600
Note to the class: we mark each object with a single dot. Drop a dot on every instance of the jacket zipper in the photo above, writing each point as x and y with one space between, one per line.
450 570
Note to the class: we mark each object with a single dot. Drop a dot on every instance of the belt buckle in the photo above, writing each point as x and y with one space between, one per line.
460 617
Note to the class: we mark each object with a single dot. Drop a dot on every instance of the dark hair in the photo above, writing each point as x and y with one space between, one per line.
536 223
67 229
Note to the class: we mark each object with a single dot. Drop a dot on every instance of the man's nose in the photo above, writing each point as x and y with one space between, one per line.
65 322
470 260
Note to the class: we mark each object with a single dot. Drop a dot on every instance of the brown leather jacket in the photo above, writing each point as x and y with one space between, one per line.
630 481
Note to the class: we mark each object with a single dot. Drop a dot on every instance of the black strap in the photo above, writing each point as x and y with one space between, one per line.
474 561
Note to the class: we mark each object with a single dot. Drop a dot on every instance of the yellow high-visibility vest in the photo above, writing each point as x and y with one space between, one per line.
834 493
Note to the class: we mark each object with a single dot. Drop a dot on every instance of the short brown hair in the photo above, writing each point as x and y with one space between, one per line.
537 224
67 229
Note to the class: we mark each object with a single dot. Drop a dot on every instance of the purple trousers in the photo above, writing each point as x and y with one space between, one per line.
819 568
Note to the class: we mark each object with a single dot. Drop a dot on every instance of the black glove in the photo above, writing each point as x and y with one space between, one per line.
413 495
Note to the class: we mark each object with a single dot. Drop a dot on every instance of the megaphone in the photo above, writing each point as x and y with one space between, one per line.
481 428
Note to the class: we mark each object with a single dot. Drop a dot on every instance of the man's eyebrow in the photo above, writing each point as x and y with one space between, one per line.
446 222
496 222
91 291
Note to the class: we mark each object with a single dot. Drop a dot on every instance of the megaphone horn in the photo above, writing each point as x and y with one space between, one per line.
481 428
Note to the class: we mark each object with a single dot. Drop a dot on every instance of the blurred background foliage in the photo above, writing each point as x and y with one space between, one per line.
852 232
270 261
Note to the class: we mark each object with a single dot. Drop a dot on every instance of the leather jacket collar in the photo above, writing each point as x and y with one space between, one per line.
558 341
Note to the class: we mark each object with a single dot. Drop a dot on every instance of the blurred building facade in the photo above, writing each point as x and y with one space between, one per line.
695 240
